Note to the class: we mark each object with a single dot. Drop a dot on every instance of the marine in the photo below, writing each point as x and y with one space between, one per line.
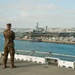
9 36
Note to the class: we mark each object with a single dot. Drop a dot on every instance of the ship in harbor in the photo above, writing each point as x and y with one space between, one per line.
38 30
44 35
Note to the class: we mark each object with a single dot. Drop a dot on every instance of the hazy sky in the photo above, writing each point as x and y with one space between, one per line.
26 13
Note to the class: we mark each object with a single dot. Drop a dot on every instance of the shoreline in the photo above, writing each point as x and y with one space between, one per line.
59 42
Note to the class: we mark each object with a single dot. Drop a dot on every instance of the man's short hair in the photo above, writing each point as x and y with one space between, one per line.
8 24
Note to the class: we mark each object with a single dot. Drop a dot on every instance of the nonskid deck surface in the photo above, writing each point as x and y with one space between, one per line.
30 68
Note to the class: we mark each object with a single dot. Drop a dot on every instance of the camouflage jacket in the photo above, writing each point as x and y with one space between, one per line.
9 36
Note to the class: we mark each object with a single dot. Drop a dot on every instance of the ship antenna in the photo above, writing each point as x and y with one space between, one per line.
37 25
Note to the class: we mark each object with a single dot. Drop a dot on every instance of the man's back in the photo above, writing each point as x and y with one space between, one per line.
9 36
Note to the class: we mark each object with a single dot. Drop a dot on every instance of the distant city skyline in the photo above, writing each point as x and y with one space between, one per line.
26 13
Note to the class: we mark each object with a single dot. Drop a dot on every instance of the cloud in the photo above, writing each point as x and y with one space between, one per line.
70 11
28 7
24 14
43 7
32 11
52 6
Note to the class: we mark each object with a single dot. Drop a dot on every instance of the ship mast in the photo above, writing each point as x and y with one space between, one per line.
37 25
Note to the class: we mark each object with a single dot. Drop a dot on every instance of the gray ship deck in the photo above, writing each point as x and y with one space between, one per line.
30 68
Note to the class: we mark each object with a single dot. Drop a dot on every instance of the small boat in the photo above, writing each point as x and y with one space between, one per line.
36 40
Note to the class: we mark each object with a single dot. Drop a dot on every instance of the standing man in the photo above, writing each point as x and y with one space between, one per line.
9 36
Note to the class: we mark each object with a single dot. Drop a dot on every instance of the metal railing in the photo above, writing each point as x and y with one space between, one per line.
46 54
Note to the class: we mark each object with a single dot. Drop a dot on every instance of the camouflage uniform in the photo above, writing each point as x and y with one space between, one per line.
9 47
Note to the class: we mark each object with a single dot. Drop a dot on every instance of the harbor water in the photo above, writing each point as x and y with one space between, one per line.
68 49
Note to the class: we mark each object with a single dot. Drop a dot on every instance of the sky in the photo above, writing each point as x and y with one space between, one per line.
26 13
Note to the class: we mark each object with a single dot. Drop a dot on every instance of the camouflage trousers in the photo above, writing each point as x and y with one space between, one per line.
7 50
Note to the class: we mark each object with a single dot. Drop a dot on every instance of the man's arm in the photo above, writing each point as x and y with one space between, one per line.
4 34
13 37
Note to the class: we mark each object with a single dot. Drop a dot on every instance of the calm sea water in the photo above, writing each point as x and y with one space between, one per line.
41 46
